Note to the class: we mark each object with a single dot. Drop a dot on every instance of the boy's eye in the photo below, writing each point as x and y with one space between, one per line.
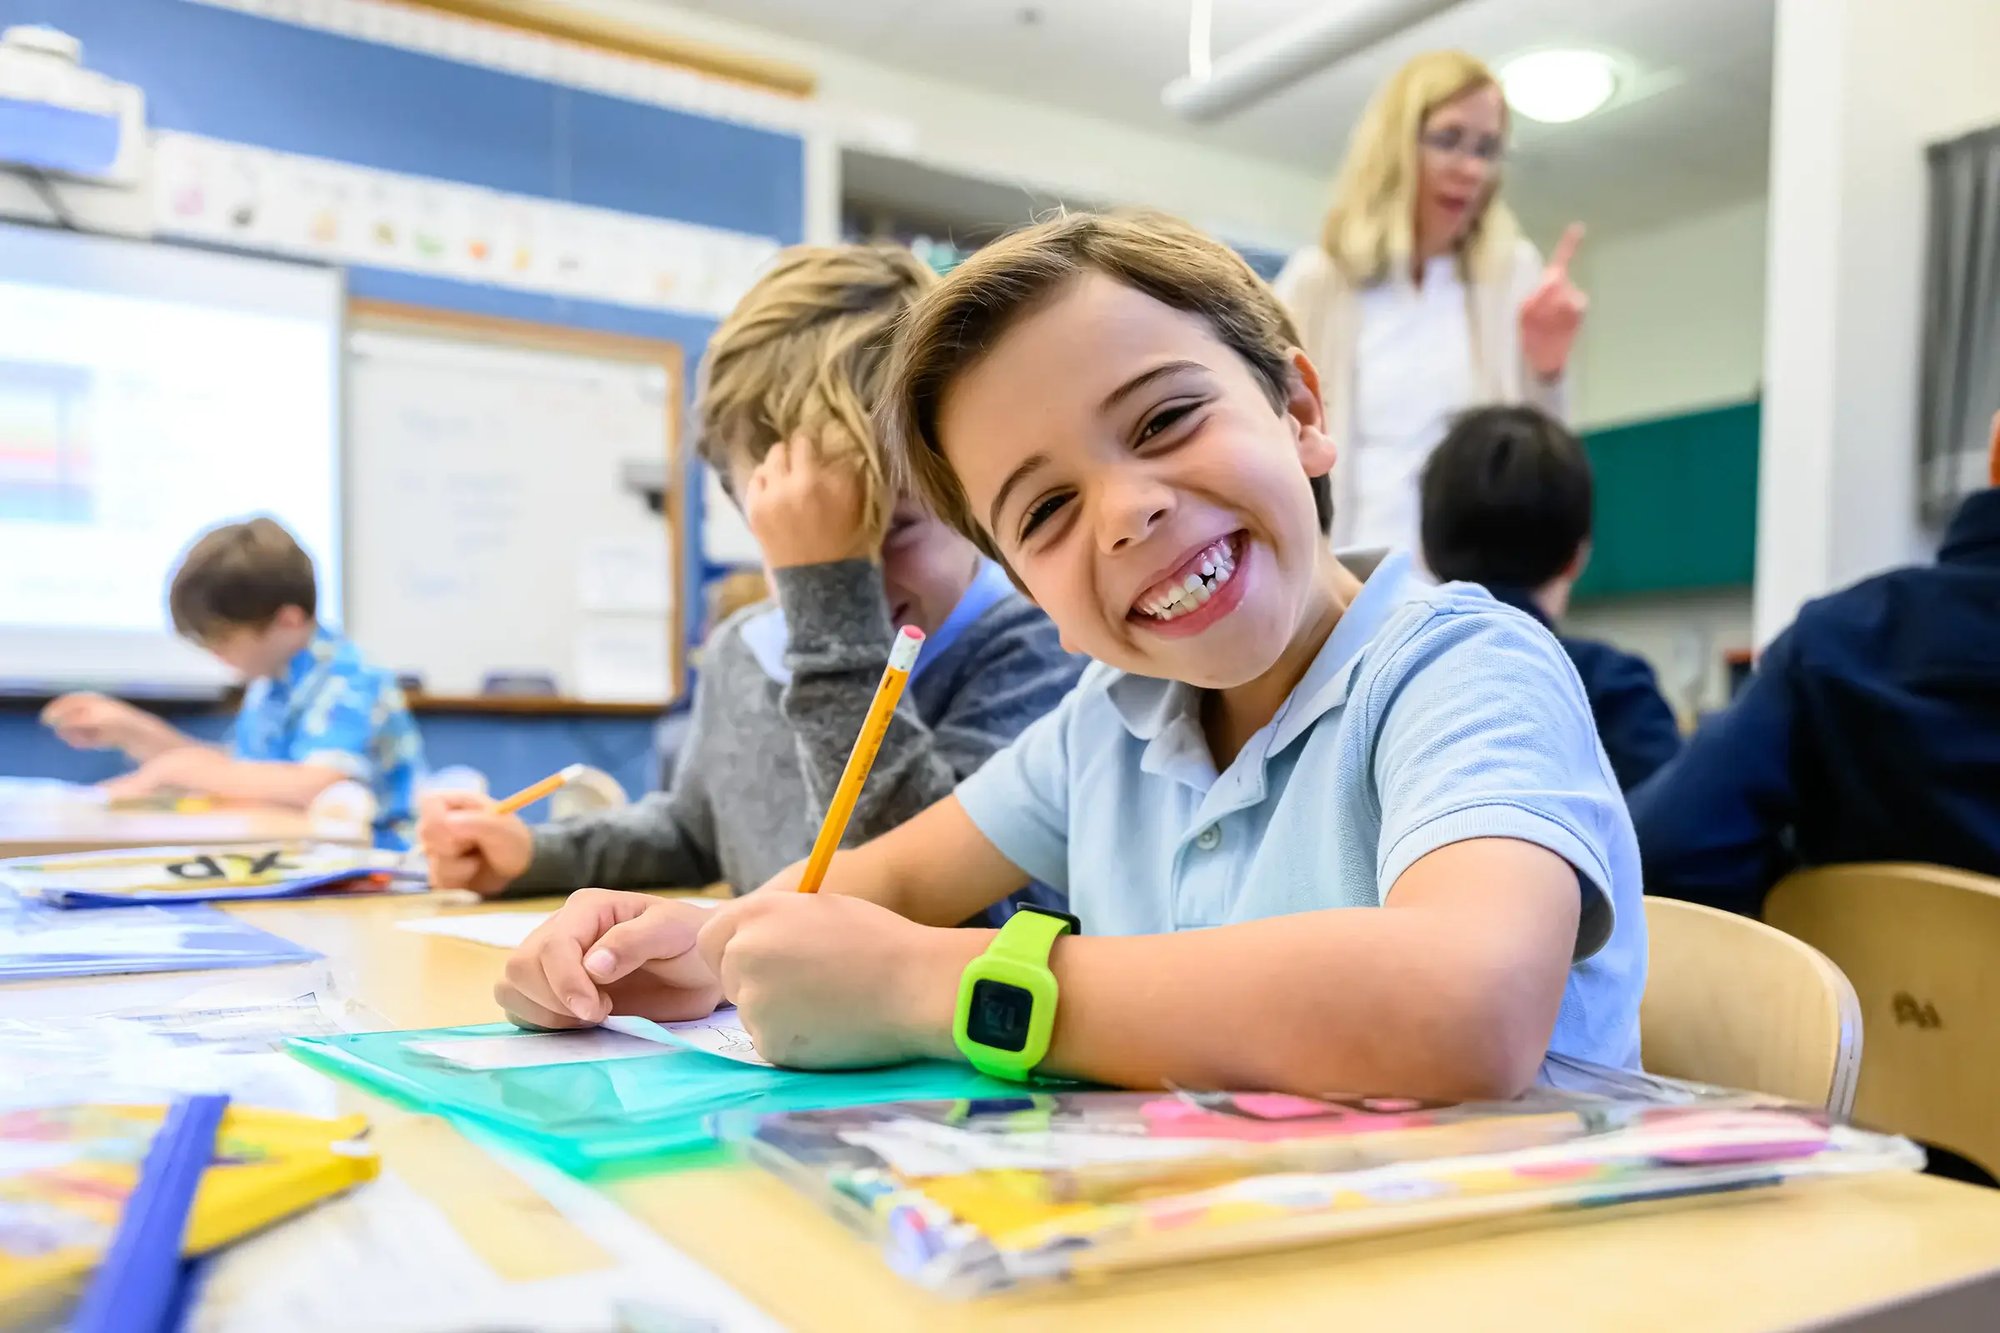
1041 512
1164 419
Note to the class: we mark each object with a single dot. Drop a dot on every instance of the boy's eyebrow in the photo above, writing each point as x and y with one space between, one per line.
1142 379
1028 467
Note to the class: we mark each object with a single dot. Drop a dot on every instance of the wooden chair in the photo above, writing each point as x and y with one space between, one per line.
1922 945
1734 1002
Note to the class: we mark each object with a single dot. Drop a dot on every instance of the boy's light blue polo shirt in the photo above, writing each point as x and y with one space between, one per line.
1433 714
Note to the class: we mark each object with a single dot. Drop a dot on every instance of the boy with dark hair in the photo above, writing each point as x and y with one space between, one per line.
314 711
1506 503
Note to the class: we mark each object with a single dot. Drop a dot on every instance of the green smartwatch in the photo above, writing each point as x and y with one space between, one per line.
1007 995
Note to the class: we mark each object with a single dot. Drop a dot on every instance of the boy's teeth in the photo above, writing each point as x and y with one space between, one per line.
1217 566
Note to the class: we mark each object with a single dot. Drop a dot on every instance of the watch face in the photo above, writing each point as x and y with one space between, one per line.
999 1015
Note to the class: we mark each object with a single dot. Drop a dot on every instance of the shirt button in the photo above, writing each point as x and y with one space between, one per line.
1210 839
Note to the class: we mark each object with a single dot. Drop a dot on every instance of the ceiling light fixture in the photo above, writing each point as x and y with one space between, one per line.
1285 54
1556 87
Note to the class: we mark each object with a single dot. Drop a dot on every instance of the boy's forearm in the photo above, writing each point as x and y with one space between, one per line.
936 870
645 846
839 635
291 785
1295 1004
153 736
1449 992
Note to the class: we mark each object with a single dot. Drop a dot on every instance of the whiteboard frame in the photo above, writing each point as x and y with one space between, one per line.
367 314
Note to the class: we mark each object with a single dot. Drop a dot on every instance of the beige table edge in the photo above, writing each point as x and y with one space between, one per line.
1767 1259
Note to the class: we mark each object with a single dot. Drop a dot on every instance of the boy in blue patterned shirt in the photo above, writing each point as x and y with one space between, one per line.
314 711
1322 834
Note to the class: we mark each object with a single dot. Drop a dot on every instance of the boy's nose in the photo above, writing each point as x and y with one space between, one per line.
1129 515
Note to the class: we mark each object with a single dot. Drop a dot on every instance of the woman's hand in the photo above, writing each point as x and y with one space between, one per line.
1554 311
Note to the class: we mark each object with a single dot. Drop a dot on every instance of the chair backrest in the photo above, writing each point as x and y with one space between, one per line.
1922 946
1733 1002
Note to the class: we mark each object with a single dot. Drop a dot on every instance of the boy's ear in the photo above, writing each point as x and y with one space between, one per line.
1577 563
290 618
1306 410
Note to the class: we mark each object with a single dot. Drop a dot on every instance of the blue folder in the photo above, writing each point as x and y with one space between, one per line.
42 942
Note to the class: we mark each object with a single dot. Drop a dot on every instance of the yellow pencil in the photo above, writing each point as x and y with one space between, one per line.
535 791
902 656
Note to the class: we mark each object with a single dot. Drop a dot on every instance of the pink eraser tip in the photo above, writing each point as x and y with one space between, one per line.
912 632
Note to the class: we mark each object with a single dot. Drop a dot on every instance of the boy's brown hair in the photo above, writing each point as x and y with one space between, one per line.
239 576
954 326
805 352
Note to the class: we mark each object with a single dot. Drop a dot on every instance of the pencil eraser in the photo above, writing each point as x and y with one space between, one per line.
903 652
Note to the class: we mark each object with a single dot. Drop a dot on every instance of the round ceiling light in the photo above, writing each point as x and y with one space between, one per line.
1556 87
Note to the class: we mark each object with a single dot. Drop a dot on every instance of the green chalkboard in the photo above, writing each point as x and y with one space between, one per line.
1676 503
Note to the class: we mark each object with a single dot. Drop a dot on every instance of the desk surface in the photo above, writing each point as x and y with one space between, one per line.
42 833
1768 1259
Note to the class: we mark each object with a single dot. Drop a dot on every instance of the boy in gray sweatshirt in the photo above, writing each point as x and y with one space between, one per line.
783 687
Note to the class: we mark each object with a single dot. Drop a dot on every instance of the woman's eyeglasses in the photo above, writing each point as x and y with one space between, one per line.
1454 142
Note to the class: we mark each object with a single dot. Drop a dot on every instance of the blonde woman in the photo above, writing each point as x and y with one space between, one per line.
1422 298
784 399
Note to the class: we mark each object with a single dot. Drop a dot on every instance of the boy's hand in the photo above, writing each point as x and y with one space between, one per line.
805 510
470 846
829 981
189 768
94 722
607 952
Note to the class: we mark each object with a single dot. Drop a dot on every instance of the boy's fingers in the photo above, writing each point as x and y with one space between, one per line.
651 937
551 976
524 1012
476 829
714 939
438 804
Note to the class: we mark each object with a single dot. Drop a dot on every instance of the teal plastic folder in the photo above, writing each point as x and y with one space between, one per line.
589 1116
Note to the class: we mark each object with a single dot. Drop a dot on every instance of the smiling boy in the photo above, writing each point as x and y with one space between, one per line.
1321 834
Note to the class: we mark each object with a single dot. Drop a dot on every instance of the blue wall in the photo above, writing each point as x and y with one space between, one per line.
234 76
511 751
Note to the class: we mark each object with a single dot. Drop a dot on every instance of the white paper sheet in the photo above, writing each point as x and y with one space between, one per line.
222 1039
522 1050
506 930
385 1259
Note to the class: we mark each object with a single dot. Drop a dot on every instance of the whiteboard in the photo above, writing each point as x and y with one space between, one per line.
489 524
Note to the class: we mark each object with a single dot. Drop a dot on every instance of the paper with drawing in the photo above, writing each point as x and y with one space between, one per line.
721 1033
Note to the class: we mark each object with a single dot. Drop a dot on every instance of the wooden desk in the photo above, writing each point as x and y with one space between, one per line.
41 833
1804 1255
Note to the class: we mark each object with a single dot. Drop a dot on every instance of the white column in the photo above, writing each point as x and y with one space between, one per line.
1862 86
822 172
